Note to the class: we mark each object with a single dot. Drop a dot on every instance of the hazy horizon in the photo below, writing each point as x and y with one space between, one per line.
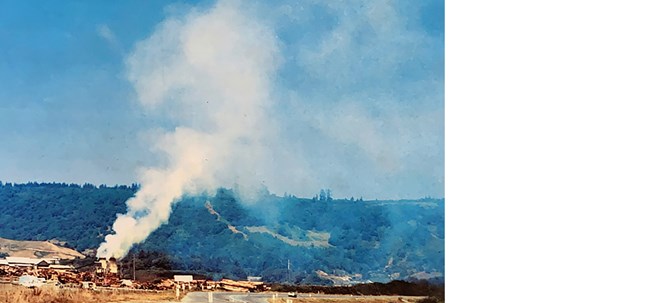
347 97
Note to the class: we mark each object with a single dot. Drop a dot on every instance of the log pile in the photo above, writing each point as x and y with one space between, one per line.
245 286
10 271
74 278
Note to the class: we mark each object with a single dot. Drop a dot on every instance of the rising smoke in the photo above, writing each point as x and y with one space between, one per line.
339 113
210 71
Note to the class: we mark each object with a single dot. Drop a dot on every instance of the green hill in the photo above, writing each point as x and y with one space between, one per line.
325 240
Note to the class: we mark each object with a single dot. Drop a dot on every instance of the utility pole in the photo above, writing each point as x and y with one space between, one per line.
289 269
134 267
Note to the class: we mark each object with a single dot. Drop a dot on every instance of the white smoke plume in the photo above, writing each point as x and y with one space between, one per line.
210 72
338 114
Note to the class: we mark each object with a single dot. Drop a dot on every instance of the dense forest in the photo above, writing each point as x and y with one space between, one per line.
319 240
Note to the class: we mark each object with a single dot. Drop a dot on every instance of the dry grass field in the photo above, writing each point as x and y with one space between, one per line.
19 294
36 249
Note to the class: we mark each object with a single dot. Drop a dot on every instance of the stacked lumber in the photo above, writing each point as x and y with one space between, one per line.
246 286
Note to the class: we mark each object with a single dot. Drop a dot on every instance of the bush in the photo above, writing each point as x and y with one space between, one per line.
431 299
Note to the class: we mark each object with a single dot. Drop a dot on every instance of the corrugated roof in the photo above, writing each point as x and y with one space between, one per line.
58 266
22 260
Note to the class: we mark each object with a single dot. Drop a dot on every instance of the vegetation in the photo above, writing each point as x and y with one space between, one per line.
77 215
19 294
393 288
281 239
431 299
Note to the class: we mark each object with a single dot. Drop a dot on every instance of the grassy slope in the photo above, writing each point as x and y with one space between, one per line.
36 249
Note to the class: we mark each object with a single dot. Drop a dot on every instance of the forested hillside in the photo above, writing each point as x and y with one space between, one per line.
317 240
77 215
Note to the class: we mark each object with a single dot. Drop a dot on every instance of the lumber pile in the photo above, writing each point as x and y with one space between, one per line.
244 286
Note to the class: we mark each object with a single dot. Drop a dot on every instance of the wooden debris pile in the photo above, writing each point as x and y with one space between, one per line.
74 278
245 286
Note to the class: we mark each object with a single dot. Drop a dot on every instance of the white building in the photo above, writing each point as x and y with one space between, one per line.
30 262
183 278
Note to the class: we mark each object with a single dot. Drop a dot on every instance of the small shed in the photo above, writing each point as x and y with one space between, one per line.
183 278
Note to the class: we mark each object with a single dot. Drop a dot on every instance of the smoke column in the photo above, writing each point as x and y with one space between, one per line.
357 107
209 72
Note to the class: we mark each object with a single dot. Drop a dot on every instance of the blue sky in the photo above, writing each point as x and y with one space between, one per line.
355 93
